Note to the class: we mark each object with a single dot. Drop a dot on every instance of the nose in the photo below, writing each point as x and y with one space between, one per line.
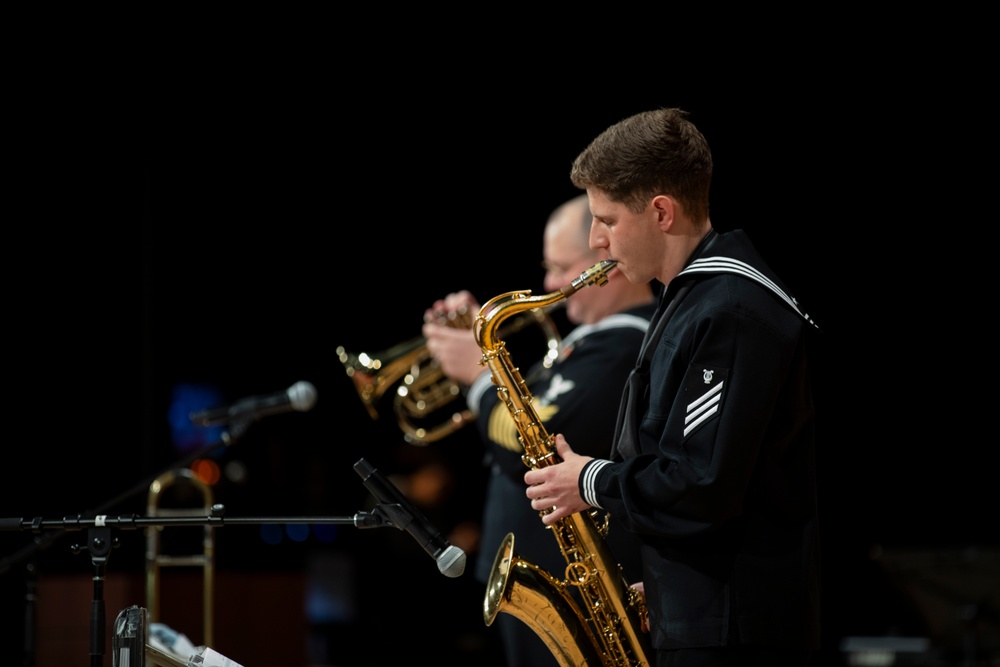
598 241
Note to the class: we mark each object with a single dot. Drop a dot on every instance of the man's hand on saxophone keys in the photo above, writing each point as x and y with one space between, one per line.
555 487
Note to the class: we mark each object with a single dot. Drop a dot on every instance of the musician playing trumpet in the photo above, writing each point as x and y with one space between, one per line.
577 396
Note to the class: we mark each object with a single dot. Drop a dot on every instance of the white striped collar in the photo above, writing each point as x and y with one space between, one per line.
730 265
616 321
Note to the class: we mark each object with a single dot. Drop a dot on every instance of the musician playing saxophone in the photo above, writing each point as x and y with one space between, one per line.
713 462
578 396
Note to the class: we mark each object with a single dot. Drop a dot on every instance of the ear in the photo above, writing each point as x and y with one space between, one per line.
665 209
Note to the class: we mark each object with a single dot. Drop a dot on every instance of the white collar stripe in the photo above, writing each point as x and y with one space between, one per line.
619 321
720 262
729 265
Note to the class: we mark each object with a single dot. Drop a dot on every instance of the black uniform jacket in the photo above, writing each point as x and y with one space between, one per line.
721 489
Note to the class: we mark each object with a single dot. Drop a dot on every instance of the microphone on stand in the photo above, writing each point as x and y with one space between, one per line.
300 397
403 514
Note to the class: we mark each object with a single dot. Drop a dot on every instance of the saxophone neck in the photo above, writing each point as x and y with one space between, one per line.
498 309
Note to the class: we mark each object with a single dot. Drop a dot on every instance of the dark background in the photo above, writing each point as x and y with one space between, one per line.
227 217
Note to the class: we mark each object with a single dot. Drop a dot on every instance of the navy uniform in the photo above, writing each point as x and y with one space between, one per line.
715 462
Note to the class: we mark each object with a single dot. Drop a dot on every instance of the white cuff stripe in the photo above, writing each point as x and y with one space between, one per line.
588 484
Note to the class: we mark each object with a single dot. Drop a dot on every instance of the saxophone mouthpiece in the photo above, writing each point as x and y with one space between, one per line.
595 275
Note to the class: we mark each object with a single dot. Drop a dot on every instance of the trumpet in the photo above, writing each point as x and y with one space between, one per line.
421 387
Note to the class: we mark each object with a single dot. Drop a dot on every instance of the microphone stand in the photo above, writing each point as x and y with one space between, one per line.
44 540
100 542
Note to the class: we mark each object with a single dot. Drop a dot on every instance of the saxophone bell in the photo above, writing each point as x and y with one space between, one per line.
541 602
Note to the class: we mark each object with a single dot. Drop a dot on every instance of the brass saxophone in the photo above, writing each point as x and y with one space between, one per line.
605 627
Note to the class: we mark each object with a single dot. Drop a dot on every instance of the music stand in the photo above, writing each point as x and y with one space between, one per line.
955 591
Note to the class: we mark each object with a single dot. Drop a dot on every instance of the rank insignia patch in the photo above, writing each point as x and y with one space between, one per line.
703 391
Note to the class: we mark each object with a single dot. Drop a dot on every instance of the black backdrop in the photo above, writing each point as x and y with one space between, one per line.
232 222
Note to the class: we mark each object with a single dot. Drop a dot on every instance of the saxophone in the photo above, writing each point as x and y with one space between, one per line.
603 628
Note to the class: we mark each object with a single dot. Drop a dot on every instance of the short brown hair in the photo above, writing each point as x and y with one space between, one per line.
648 154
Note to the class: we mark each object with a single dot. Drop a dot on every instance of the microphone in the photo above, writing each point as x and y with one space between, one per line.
301 396
403 514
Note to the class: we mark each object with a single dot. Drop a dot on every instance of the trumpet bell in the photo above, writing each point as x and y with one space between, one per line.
418 396
422 391
373 375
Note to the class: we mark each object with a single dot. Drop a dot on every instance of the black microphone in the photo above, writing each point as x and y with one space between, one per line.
301 396
450 559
